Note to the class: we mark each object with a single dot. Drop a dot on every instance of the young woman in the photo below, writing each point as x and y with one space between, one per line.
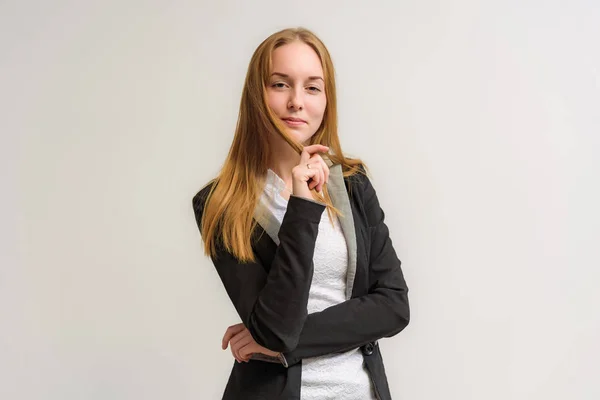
298 238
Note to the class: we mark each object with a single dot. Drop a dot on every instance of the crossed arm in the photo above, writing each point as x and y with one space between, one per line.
272 305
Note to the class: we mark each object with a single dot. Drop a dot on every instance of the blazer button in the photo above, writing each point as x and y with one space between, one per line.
368 348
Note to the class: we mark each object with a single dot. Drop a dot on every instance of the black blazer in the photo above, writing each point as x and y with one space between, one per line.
271 294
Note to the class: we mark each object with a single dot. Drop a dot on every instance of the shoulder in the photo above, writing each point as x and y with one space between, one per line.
363 195
200 198
357 180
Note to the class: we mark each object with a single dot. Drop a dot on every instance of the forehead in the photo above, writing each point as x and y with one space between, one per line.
296 59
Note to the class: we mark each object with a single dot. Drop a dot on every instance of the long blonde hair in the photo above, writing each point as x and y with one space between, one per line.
228 213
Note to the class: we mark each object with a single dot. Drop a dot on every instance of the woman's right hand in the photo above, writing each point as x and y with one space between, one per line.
242 344
311 172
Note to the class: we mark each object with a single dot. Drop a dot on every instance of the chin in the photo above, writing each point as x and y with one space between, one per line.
301 138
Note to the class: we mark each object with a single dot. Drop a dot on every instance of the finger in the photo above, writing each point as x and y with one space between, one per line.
308 151
319 176
234 353
325 170
247 351
238 337
316 148
241 344
234 356
237 342
322 179
315 176
310 173
231 332
304 157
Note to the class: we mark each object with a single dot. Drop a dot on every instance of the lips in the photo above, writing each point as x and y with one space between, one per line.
295 120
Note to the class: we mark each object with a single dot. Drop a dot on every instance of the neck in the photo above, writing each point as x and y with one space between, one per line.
283 160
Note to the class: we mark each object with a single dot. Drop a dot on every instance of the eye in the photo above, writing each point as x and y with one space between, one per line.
278 85
314 89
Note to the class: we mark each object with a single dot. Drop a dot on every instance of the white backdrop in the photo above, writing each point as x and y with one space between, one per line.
480 122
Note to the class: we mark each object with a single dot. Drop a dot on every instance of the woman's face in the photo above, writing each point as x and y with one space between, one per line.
296 89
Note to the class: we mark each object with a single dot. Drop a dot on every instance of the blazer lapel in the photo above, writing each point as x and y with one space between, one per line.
341 201
267 220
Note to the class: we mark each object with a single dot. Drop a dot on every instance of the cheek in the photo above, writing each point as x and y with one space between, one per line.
318 107
275 101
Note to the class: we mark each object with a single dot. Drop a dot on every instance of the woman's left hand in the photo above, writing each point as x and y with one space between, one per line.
242 343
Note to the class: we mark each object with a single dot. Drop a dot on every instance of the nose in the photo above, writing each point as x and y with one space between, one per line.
296 101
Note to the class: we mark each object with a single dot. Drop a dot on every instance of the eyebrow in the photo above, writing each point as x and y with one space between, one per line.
310 78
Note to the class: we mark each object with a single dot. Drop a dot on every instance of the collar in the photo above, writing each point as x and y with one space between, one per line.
339 198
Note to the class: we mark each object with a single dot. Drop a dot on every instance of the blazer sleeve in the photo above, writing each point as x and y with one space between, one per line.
272 305
383 312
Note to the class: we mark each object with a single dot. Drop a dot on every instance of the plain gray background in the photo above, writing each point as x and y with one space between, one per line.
479 121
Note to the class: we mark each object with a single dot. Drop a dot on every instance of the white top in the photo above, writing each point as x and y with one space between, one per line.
332 376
